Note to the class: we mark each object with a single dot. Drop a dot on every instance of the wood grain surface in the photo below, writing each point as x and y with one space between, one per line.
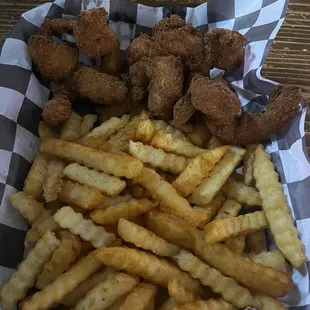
288 60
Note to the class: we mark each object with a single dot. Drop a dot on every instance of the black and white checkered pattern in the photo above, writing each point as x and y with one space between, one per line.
23 92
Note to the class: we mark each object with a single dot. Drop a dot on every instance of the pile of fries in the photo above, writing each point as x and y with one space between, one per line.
122 210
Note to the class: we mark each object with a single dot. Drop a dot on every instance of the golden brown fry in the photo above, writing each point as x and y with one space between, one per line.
81 195
34 183
221 230
67 282
145 239
162 125
213 143
86 229
24 277
27 206
256 241
138 192
107 292
230 208
198 169
129 210
210 186
172 144
200 134
106 184
140 297
168 195
80 291
145 131
229 289
276 208
71 129
269 303
158 158
88 124
179 293
148 266
109 147
236 244
210 304
113 201
45 132
242 193
67 252
248 161
121 166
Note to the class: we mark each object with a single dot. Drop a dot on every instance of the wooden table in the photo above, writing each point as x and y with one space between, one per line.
288 60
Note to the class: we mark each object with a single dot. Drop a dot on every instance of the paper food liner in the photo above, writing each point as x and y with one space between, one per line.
23 93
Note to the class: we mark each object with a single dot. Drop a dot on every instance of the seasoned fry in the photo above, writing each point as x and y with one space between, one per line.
162 125
168 195
86 229
34 183
106 184
276 208
104 131
145 131
242 193
229 289
145 239
24 277
128 210
248 161
118 303
109 147
158 158
88 124
141 296
213 143
120 166
179 293
210 304
113 201
107 292
81 195
43 224
27 206
269 303
80 291
198 169
71 129
256 241
210 186
63 256
67 282
172 144
147 266
230 208
273 259
220 230
236 244
45 132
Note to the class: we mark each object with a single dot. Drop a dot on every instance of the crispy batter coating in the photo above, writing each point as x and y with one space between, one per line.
166 84
143 46
111 63
92 34
214 99
59 25
250 128
99 87
182 111
224 48
139 80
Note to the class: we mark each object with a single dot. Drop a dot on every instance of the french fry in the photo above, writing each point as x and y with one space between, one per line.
129 210
162 125
55 165
145 265
230 208
106 184
81 195
34 183
197 170
210 186
248 161
67 252
71 129
213 143
276 208
53 206
256 241
273 259
86 229
242 193
236 244
81 290
45 132
200 133
145 131
138 192
158 158
27 206
88 124
103 132
212 304
67 282
168 195
118 303
120 166
269 303
179 293
221 230
229 289
107 292
145 239
43 224
113 201
24 277
109 147
140 298
172 144
169 304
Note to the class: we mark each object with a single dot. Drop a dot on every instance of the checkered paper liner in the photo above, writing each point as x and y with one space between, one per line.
23 93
